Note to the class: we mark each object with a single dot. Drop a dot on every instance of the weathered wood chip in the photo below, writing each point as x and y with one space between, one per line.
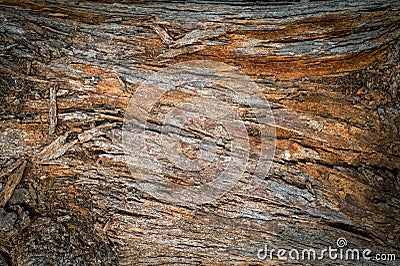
94 132
199 35
163 34
8 169
183 50
12 182
56 149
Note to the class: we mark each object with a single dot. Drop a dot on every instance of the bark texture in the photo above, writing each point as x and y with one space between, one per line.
330 71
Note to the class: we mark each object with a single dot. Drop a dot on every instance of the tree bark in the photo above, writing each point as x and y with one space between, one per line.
330 72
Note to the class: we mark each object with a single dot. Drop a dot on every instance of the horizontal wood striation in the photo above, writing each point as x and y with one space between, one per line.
330 72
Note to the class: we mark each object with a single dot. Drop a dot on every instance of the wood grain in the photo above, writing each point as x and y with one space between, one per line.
330 71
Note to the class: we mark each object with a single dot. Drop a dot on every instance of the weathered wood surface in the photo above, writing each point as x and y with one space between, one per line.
329 70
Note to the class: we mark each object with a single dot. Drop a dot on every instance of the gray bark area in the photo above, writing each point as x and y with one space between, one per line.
329 70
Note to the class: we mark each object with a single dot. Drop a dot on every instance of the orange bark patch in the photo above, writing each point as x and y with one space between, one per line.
284 67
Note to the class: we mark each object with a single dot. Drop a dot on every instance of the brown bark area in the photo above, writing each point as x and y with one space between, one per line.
329 70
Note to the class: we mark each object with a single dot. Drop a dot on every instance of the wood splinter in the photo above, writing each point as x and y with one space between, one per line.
53 109
167 39
12 183
8 169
